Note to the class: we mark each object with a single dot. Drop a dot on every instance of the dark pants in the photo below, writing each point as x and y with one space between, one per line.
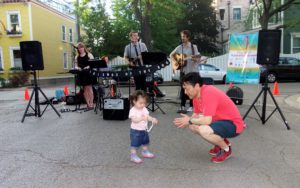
140 82
183 96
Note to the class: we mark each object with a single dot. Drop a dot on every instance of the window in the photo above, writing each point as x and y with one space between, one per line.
207 68
1 59
293 61
15 57
296 44
71 35
14 22
236 13
65 59
222 12
63 33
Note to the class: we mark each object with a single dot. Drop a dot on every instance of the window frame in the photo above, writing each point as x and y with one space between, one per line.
1 60
223 14
12 62
8 20
65 60
71 35
63 33
294 35
233 14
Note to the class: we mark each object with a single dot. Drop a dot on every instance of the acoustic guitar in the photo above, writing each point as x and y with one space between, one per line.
180 60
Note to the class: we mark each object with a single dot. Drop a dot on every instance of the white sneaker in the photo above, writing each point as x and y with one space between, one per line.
190 109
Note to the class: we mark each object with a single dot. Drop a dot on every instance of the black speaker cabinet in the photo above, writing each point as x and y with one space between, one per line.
115 108
32 55
236 95
268 47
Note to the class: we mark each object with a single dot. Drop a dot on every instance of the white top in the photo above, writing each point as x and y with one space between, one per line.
134 112
187 49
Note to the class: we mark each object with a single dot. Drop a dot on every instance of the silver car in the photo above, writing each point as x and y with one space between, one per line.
208 71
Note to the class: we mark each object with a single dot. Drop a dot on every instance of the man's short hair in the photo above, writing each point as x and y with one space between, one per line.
187 33
192 78
131 32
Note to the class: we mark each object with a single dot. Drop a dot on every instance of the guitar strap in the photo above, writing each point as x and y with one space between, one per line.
129 54
193 50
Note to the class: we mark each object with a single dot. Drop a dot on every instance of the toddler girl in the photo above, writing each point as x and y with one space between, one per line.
139 116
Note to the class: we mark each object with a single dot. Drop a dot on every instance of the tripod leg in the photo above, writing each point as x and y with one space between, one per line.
252 105
159 107
49 102
279 110
27 107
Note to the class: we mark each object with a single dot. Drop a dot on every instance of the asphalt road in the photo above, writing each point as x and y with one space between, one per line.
83 150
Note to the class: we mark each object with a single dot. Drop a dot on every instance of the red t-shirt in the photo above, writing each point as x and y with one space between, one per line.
214 102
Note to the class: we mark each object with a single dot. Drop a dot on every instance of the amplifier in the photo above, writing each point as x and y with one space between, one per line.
115 108
236 94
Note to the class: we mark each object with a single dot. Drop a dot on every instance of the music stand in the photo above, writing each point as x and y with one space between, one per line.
153 59
101 65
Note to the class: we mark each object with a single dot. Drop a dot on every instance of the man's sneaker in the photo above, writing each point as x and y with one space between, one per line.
134 158
216 149
182 110
190 109
147 154
221 156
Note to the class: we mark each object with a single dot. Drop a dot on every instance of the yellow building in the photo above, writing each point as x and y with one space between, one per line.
26 20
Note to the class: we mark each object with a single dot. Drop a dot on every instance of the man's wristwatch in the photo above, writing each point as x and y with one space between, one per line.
190 122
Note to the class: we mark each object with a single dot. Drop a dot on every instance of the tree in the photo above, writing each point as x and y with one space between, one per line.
200 19
270 8
154 19
96 26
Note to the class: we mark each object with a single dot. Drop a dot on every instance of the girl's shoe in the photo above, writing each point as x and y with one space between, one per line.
147 154
134 158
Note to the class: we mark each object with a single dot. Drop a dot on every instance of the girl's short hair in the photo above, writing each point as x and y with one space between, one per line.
136 95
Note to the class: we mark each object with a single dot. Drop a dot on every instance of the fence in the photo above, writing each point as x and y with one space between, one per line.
219 61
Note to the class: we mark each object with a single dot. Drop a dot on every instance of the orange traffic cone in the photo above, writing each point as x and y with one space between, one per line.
66 90
276 90
230 85
26 94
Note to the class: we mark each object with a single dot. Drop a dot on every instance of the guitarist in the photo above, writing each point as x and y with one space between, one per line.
132 55
189 65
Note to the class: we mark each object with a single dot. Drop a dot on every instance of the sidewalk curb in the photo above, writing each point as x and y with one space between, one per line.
293 101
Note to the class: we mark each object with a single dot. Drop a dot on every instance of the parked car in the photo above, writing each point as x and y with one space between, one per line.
287 68
206 70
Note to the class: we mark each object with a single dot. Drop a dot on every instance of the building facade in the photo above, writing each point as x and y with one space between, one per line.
231 15
286 21
33 20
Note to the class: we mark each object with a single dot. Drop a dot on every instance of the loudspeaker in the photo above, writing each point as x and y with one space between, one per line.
268 47
236 95
115 108
32 55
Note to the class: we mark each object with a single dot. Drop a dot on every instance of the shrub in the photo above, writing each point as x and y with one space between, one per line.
17 77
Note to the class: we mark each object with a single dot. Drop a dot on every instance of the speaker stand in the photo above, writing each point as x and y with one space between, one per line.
265 90
36 108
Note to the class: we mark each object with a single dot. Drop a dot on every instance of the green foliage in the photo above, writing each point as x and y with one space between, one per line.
2 82
200 19
163 16
96 25
158 23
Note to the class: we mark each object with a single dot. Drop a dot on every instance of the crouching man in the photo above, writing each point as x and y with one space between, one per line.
215 117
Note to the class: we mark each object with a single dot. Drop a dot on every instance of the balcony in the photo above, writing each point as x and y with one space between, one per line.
14 33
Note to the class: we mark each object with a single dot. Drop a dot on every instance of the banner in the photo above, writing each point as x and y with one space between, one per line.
242 67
